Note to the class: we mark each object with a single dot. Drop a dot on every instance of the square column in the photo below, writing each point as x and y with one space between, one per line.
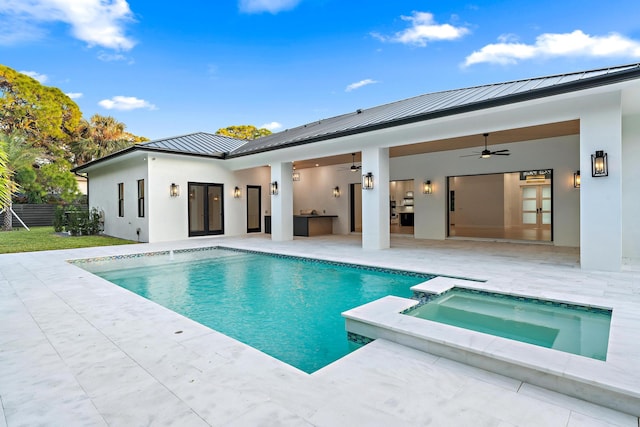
375 202
282 203
601 197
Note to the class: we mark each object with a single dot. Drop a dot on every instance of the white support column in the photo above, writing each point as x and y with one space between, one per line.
601 197
375 202
282 203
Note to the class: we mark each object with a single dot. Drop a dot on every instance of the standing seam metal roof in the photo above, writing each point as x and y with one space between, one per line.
438 104
197 143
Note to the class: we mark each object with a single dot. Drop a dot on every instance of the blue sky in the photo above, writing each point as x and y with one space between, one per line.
170 68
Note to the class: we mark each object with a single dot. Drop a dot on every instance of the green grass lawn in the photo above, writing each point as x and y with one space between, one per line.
45 239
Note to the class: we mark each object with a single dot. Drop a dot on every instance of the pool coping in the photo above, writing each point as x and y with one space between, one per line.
578 376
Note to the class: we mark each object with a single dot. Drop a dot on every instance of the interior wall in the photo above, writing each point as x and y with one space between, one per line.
479 201
315 191
560 154
512 207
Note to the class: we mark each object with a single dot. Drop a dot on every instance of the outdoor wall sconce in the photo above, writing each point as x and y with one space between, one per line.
367 181
296 176
599 164
174 190
336 191
236 193
576 179
427 188
274 188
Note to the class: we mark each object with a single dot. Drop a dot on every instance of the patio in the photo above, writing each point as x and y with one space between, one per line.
76 350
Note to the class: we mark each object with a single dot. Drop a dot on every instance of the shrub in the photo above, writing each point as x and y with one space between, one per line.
77 220
58 219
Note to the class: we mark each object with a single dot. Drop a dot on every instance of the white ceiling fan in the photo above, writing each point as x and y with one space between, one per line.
486 153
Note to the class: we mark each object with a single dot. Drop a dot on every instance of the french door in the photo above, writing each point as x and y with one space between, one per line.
206 209
536 206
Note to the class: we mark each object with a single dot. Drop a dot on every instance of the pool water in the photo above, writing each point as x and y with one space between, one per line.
565 327
289 308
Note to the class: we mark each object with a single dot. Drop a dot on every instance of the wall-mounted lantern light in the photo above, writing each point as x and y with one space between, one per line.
174 190
599 164
274 188
236 193
427 188
367 181
336 191
576 179
296 176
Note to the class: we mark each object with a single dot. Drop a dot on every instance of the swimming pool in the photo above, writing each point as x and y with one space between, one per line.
566 327
287 307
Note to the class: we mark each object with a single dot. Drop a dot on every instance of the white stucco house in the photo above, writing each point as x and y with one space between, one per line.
424 159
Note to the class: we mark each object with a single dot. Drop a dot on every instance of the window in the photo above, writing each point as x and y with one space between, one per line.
141 198
121 199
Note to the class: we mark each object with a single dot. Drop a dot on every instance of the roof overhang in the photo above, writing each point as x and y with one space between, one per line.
103 161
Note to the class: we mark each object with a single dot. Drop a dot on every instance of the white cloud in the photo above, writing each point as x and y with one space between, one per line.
42 78
361 83
271 6
97 22
573 44
273 126
423 30
109 57
74 95
126 103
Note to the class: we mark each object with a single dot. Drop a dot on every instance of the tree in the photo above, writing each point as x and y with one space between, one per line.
19 155
56 179
100 136
45 115
249 132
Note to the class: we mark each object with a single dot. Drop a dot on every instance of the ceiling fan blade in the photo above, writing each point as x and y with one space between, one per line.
471 155
501 154
500 151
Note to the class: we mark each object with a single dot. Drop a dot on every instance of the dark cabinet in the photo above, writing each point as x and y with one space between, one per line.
406 219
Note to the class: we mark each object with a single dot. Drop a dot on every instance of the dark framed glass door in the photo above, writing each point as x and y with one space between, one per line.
254 207
206 209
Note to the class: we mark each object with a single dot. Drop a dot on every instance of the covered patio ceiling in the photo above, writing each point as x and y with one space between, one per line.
571 127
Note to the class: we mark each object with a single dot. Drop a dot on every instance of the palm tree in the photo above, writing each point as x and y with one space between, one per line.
18 154
98 137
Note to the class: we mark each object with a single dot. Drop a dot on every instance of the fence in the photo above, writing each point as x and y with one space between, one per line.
32 215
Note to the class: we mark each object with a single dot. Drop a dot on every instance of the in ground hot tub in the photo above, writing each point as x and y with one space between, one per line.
572 328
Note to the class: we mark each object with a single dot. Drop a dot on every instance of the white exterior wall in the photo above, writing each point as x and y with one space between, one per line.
631 187
103 195
256 176
166 218
601 197
170 214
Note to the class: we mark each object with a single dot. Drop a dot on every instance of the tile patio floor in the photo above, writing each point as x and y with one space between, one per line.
76 350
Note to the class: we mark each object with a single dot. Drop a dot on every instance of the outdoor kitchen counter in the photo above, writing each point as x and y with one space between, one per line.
313 225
